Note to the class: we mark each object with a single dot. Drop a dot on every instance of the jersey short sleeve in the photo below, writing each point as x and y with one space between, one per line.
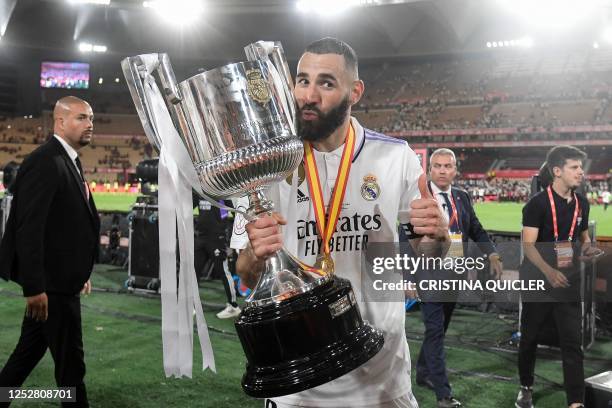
534 212
239 239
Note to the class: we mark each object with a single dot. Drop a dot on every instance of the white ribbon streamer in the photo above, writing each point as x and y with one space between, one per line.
177 178
279 84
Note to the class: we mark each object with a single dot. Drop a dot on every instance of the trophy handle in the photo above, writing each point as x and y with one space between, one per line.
135 69
272 52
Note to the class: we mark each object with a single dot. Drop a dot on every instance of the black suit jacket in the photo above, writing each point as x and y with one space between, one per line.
52 233
469 223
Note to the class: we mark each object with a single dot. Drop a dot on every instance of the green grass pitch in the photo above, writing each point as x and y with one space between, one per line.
493 216
123 353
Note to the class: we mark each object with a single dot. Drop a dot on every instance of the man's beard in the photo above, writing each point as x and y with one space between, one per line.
325 125
84 141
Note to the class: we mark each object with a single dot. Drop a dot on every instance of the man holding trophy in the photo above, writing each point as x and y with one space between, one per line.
352 188
309 337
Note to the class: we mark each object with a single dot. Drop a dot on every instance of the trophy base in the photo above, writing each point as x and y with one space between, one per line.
304 341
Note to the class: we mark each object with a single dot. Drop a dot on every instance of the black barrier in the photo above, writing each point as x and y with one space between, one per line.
144 248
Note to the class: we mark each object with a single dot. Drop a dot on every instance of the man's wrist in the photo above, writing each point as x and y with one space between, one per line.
254 257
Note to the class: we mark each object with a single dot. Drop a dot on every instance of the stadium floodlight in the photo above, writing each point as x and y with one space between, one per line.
525 42
330 7
98 2
100 81
177 12
87 47
552 13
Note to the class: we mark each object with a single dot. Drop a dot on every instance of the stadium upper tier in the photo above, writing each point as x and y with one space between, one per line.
118 144
464 102
509 75
508 90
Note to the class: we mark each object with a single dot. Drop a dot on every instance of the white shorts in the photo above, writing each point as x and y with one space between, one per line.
405 401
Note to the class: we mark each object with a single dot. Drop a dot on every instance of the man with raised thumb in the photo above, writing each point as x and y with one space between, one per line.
370 181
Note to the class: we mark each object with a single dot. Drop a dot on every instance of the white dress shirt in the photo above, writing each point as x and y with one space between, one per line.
71 152
436 193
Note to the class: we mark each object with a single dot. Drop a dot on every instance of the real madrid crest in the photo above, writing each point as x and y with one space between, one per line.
257 86
370 189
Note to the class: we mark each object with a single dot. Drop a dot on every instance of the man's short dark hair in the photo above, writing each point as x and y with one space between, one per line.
557 156
329 45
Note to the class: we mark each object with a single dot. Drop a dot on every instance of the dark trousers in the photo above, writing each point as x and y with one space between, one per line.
208 248
567 320
61 334
431 364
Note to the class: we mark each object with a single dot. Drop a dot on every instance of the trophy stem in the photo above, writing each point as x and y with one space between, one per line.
258 204
284 275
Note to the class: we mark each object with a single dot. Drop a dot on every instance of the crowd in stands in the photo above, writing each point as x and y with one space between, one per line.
20 131
110 153
484 92
595 190
451 92
496 189
114 158
519 190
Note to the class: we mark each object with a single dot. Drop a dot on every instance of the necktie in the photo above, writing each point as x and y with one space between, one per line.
84 185
447 205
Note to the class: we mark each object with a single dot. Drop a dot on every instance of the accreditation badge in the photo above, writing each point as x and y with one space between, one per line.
456 246
565 254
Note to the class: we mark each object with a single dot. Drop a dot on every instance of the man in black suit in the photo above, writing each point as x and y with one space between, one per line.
463 225
49 249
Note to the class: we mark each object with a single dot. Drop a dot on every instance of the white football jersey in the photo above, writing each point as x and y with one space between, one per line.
381 185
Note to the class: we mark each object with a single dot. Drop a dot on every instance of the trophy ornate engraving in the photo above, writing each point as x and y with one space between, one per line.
301 326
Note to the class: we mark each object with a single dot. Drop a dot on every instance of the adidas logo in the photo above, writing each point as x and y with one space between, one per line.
301 197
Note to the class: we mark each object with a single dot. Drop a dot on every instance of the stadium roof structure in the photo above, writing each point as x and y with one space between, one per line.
377 29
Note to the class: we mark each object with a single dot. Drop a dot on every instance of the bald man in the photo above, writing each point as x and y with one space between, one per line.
49 249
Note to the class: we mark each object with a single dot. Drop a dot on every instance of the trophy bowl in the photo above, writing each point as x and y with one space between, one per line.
301 326
304 341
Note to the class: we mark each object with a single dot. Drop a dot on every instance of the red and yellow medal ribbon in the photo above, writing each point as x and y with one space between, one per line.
326 223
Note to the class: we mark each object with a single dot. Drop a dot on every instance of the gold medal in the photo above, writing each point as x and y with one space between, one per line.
326 263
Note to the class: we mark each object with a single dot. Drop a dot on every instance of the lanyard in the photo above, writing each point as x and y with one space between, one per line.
326 224
554 215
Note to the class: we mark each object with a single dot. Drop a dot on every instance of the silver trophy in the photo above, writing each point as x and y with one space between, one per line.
301 326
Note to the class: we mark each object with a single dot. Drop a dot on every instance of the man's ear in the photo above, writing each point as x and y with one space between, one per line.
58 122
357 90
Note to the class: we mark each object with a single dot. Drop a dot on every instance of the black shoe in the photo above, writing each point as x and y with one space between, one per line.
448 402
425 382
524 398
